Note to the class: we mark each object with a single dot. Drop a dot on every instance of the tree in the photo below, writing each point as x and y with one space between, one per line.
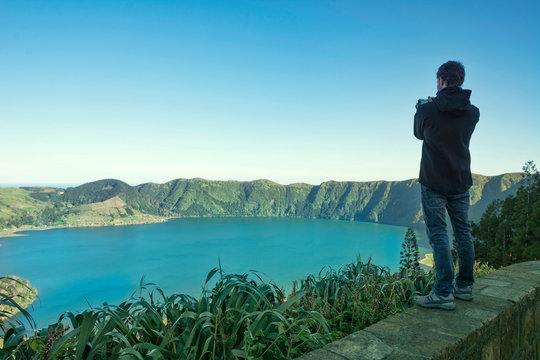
409 255
484 232
509 230
523 217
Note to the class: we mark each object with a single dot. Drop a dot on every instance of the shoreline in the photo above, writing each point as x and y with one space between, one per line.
427 260
15 232
154 220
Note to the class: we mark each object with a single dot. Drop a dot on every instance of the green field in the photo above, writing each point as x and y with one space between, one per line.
16 200
39 208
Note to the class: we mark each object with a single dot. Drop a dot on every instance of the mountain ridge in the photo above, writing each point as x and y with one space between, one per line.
387 202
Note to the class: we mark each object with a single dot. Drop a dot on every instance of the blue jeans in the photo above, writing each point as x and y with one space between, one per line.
435 205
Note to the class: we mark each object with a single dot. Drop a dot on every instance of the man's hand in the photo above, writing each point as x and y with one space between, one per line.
429 99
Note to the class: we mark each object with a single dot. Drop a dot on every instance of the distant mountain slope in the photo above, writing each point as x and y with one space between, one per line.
485 189
388 202
111 201
99 191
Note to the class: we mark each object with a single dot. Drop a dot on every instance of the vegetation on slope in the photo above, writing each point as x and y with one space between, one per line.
19 206
509 230
396 203
34 208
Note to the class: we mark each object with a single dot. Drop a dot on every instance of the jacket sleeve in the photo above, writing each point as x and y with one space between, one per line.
419 124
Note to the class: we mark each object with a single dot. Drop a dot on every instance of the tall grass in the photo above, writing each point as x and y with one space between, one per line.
360 294
241 317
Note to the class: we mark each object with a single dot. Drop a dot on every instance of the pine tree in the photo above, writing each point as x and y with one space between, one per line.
409 256
484 232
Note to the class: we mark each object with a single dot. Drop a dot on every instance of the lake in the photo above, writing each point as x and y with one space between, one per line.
72 268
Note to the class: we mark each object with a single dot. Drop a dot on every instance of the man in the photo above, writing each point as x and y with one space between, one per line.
445 124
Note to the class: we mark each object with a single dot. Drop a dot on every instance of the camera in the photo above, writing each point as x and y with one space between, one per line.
421 102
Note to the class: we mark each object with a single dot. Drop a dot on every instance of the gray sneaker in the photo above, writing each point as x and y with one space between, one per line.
463 293
432 300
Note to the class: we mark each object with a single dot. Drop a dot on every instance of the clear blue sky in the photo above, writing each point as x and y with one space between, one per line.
291 91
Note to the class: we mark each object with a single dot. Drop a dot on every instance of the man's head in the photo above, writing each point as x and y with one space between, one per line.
451 73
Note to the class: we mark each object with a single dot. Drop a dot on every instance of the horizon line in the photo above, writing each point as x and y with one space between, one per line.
65 186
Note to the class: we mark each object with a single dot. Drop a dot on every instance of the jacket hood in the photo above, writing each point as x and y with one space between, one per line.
453 99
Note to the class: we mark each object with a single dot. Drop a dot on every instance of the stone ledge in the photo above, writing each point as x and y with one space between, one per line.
502 322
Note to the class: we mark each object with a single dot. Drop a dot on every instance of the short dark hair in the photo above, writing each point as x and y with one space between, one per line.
452 72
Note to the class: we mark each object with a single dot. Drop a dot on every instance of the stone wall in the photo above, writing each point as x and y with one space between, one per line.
502 322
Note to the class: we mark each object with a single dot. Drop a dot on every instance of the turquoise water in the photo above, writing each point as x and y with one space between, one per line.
74 267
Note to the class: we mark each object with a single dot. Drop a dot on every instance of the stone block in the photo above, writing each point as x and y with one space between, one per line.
508 332
513 294
524 282
491 350
527 266
451 323
514 273
526 329
537 314
528 352
412 339
403 355
473 355
361 345
457 353
490 302
320 354
486 281
484 314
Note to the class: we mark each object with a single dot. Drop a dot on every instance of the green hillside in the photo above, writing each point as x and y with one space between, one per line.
387 202
19 206
38 208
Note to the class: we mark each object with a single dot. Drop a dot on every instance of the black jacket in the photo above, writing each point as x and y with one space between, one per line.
446 125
